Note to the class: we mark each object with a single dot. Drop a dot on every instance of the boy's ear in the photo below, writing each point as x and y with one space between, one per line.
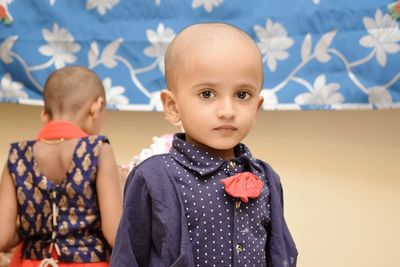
170 109
260 102
97 106
44 116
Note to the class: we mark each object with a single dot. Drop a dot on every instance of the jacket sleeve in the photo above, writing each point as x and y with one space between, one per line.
133 241
281 249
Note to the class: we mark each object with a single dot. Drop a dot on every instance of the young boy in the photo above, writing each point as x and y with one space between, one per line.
207 202
60 194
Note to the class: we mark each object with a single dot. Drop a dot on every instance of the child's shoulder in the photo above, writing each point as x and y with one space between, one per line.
270 173
154 163
22 143
153 174
96 138
21 146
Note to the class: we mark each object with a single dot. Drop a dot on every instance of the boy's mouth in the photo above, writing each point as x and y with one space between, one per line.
225 127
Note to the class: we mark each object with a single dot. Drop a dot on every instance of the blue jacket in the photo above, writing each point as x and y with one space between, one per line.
153 229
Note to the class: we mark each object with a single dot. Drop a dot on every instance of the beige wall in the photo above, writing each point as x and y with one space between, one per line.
340 172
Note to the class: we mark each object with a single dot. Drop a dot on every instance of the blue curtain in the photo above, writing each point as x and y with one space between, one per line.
318 54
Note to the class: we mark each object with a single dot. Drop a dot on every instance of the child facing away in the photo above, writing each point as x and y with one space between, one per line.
60 194
207 202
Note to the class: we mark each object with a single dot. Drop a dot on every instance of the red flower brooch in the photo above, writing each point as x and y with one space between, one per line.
243 185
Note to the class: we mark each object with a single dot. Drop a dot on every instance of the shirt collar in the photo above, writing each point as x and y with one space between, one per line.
202 162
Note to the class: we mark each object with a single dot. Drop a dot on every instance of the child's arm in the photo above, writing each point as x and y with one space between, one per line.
109 193
134 236
9 236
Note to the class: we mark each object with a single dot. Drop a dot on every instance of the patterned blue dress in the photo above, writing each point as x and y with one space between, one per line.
63 216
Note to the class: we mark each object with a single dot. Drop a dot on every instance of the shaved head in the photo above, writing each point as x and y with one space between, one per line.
68 89
200 37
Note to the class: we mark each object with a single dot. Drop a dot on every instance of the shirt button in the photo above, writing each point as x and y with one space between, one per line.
239 248
237 204
233 164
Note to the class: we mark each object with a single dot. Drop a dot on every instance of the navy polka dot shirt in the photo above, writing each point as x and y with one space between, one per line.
223 231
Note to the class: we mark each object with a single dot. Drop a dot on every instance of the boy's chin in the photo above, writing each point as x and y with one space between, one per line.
221 146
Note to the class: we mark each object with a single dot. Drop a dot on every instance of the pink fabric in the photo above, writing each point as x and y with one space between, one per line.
17 261
243 185
60 129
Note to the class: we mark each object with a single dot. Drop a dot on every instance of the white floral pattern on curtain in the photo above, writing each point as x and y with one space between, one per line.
317 54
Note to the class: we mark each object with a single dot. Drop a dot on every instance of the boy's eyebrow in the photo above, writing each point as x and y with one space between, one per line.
237 86
211 84
248 86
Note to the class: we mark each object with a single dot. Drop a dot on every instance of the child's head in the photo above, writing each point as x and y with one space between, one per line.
214 73
75 94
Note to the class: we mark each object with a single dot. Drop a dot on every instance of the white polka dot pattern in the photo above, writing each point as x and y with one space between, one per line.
223 230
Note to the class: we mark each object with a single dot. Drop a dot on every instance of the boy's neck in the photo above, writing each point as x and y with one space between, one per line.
225 154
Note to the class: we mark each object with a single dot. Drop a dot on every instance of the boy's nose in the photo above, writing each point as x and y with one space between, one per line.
226 109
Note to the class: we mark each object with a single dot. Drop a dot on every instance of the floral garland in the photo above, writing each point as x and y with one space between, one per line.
5 15
394 10
161 144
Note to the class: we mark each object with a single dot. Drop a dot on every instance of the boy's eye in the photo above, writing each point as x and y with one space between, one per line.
243 95
207 94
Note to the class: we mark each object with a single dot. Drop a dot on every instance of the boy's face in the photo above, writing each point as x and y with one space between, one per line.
217 94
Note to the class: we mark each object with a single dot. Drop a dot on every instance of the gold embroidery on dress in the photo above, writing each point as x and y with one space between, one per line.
38 222
81 204
70 190
93 174
36 247
30 210
99 245
92 139
21 168
13 156
63 204
88 238
78 177
24 223
49 222
83 248
93 257
70 240
22 145
82 225
65 250
28 182
96 149
29 154
73 218
77 258
71 167
81 150
21 196
36 170
87 190
37 195
86 162
43 183
46 208
90 216
63 228
33 256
